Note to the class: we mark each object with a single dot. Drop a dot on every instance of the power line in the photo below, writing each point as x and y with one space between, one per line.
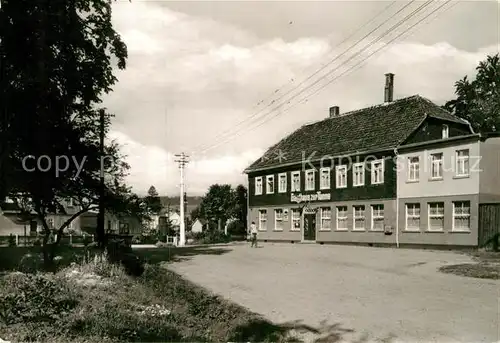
322 68
384 46
330 72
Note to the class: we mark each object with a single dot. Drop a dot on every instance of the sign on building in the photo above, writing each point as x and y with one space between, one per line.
298 198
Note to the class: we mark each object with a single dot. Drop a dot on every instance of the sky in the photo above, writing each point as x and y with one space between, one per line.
222 81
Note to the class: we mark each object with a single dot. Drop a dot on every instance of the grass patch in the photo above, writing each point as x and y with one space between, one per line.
486 266
91 300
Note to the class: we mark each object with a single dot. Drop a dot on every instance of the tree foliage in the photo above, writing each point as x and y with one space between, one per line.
222 202
57 63
153 201
478 101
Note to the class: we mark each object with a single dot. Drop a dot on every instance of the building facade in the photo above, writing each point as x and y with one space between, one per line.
345 179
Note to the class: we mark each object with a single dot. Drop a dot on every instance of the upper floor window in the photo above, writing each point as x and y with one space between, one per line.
262 220
437 166
296 181
462 162
309 180
413 168
341 176
282 183
378 172
325 178
258 185
270 184
358 172
445 132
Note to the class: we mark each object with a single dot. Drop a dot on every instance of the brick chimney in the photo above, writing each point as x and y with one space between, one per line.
389 87
334 111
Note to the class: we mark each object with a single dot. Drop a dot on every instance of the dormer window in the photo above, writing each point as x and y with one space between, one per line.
445 132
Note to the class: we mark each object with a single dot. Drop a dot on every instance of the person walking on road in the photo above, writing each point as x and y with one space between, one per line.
253 232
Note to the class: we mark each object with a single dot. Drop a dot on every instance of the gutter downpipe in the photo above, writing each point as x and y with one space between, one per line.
397 198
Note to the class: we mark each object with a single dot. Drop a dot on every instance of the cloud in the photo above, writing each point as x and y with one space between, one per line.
152 165
191 78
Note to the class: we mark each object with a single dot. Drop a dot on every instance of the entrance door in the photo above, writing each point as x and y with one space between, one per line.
309 227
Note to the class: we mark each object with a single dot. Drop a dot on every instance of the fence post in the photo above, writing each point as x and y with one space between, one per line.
92 238
70 239
17 239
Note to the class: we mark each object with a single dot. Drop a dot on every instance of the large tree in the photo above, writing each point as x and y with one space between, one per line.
240 206
478 101
57 59
217 206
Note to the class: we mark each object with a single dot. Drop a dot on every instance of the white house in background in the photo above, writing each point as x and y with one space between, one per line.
175 218
198 225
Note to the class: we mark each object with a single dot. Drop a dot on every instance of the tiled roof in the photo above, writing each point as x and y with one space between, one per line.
380 127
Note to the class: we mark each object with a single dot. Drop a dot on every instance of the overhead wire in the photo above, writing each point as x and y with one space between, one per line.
350 69
387 32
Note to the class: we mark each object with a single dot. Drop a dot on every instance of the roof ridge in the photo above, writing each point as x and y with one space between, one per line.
384 104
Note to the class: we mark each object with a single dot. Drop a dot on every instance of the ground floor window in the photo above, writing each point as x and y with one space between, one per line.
377 217
326 218
461 215
342 218
262 219
295 220
124 229
359 217
436 216
278 219
412 217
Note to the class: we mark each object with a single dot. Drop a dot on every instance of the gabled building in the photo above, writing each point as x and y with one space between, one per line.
339 180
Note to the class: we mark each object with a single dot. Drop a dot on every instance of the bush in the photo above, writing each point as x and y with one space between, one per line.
215 236
120 252
236 228
37 242
11 241
34 298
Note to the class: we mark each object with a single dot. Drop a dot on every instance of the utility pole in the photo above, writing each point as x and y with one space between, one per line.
182 160
100 232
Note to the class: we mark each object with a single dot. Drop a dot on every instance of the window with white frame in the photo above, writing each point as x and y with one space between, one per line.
278 219
437 166
359 217
50 223
296 181
341 176
282 183
377 172
258 185
295 219
462 162
413 168
413 217
270 184
342 218
445 132
324 178
358 173
436 216
461 216
326 218
377 217
263 220
309 180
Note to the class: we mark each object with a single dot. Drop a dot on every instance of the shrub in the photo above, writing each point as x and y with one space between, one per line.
11 241
161 244
34 298
215 236
37 242
120 252
236 228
